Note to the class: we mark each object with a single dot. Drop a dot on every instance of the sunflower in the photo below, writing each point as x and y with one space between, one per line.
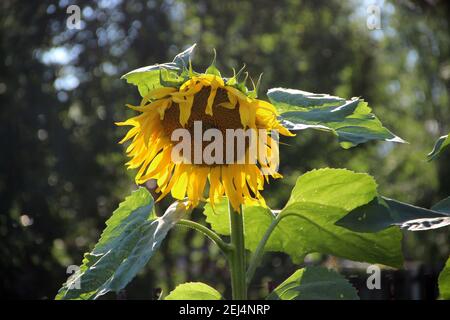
214 102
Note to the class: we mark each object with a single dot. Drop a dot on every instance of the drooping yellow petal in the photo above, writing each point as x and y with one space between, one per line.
230 191
247 114
130 134
160 93
180 186
185 110
210 80
163 107
214 185
191 90
209 105
232 98
238 94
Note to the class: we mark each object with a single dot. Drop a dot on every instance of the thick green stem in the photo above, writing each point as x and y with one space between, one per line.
225 247
236 257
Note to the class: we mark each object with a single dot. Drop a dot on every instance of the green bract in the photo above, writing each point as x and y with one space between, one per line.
175 73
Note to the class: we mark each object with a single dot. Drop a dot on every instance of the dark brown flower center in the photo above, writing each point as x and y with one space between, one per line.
222 119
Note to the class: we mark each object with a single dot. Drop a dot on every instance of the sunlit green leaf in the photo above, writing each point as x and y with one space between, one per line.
194 291
148 78
444 281
441 144
382 213
350 120
319 199
130 238
314 283
294 100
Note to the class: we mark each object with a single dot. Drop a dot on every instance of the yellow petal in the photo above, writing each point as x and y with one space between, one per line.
232 98
247 114
179 188
211 80
131 133
227 179
238 94
212 96
185 110
226 105
163 107
159 93
191 90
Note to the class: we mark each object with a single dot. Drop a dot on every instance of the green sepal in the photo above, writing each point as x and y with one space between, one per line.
212 69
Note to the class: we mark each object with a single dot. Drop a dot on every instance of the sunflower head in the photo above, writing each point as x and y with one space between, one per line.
231 145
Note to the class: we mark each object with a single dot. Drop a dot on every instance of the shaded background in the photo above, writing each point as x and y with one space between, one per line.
61 169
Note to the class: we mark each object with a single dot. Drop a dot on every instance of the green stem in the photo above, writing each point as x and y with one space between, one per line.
236 257
258 254
225 247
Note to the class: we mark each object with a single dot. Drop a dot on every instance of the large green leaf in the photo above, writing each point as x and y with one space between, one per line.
148 78
441 144
382 213
314 283
444 281
319 199
132 235
194 291
350 120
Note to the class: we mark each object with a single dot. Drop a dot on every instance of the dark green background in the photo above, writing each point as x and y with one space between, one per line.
61 169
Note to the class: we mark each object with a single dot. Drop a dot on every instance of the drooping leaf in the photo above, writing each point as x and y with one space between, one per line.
181 60
314 283
194 291
350 120
444 281
132 235
148 78
319 199
383 212
441 144
157 75
293 100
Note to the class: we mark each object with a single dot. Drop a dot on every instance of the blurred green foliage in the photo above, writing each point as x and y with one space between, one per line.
61 169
